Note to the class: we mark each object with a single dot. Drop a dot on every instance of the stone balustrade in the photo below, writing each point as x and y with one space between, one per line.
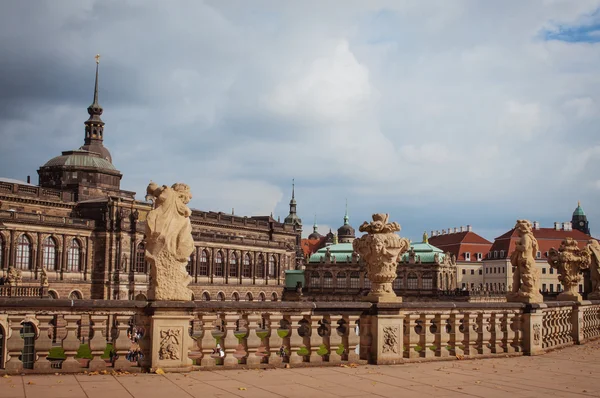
23 291
251 334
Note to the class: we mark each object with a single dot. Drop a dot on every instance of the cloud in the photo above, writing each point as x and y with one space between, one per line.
440 113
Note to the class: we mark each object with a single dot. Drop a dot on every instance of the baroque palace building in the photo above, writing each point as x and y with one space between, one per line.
88 234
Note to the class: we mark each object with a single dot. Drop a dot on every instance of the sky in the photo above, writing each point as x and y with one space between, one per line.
440 113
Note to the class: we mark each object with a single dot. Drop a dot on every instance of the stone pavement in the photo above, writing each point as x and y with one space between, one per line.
570 372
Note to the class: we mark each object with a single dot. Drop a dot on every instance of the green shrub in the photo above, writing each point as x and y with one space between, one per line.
283 333
262 335
340 350
322 350
418 348
57 353
303 351
432 347
84 352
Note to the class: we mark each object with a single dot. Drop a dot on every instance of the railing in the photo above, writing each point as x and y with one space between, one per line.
47 193
40 218
23 291
239 334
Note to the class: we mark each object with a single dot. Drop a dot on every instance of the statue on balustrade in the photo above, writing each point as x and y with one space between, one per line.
43 278
594 248
526 275
569 260
14 277
169 241
381 249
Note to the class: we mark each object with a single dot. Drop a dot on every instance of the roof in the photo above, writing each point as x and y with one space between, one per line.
310 246
578 211
460 243
547 238
13 181
80 158
425 251
341 252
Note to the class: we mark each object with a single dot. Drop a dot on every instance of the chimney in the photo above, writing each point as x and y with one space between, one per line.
563 226
443 232
432 234
449 230
28 179
437 232
462 229
232 211
469 228
556 226
536 225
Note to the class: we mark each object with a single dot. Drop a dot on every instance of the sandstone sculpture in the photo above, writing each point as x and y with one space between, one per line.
569 260
169 242
381 249
526 275
14 277
43 278
593 248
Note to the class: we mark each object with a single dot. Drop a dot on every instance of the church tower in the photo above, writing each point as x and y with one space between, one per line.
580 221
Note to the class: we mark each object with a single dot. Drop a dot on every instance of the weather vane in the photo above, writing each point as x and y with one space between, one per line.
97 57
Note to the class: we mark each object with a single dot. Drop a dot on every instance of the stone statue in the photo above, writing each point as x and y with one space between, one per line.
381 248
593 247
526 276
569 260
43 278
436 258
169 242
14 277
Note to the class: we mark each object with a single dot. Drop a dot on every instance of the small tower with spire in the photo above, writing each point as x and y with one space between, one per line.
295 221
579 220
346 233
315 234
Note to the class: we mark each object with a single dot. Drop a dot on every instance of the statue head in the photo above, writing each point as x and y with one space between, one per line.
523 226
183 192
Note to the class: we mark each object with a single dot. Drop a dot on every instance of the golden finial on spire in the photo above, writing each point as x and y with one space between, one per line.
97 58
578 203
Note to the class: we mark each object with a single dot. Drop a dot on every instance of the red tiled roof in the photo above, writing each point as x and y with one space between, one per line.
310 246
547 238
460 243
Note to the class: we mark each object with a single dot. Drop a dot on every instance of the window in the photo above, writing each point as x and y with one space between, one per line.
502 269
233 265
247 267
495 254
543 287
314 280
49 254
140 259
479 256
340 280
354 280
23 257
472 286
1 251
558 287
272 267
543 270
494 270
538 254
398 282
218 264
464 271
480 272
412 282
501 253
551 270
220 296
328 280
487 270
468 256
367 281
260 267
472 272
464 286
74 256
203 264
552 288
427 281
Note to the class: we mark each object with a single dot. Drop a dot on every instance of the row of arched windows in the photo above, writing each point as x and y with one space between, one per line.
235 296
50 260
342 282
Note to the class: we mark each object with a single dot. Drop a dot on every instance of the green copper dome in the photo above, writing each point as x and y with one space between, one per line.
578 211
425 251
80 159
341 252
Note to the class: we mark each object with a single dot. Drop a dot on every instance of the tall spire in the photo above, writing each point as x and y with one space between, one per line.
94 126
315 226
293 192
346 218
293 218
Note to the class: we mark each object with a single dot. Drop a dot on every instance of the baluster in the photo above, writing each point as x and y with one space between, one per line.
71 344
97 342
472 334
253 340
414 335
230 342
296 340
507 332
365 337
313 341
430 330
273 342
43 343
352 339
457 334
14 344
122 344
496 344
443 335
517 327
207 343
338 329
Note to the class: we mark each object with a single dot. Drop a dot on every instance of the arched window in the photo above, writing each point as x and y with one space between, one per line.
205 296
274 296
75 295
248 297
398 282
74 256
23 257
260 267
49 254
140 259
272 267
340 280
315 280
235 296
327 280
427 281
247 267
367 281
262 297
354 280
219 264
233 263
203 265
412 282
220 296
1 252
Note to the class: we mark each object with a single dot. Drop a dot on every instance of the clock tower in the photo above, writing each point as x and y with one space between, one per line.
580 221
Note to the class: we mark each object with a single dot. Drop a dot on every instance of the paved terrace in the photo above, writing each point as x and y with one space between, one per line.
570 372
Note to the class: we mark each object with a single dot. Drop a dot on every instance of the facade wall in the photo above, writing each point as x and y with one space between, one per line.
469 275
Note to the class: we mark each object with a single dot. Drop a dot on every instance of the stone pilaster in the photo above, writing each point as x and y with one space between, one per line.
170 340
533 329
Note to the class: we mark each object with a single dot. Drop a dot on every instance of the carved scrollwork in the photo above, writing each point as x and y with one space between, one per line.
169 344
390 339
